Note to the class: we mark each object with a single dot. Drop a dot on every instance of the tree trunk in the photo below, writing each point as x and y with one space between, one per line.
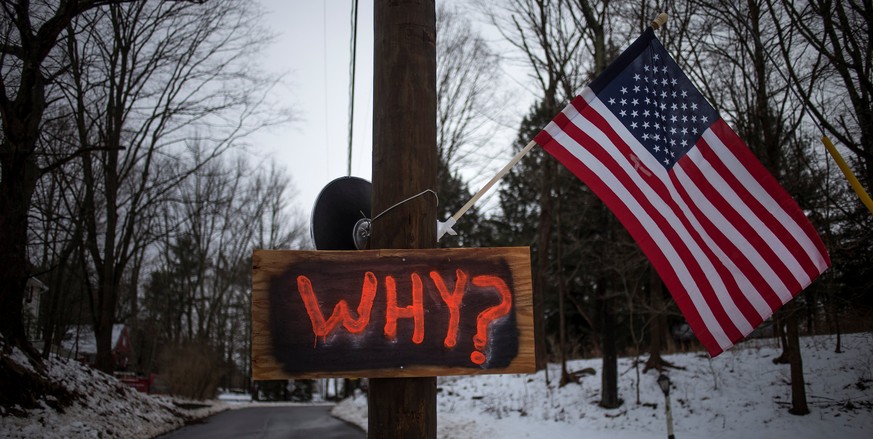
836 319
609 378
103 329
19 173
562 294
542 254
15 193
810 312
798 386
606 327
658 318
17 184
779 331
56 307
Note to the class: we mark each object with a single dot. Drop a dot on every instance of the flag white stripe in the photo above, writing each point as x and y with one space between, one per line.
786 220
745 286
763 230
677 264
703 261
745 247
646 157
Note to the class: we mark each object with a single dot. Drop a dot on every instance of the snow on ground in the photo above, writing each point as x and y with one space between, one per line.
104 408
740 394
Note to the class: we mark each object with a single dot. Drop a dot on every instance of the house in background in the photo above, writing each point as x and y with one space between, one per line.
81 344
33 292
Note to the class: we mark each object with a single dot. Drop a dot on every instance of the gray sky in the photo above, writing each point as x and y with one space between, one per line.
313 47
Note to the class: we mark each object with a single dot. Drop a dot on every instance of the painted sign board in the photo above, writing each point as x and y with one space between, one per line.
391 313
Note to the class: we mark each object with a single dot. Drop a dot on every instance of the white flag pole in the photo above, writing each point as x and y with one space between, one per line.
444 227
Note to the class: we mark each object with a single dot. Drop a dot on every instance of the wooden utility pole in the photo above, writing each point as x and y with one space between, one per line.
404 164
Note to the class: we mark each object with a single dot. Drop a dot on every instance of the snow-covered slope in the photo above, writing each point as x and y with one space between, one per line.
740 394
103 408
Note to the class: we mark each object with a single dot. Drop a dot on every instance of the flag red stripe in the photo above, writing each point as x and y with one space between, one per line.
817 254
729 248
779 262
685 228
763 223
734 294
756 245
706 292
689 257
732 255
644 240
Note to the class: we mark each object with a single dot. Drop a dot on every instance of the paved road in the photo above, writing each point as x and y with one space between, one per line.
270 423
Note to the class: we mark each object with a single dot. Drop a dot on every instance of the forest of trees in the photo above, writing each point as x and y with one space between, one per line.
127 189
781 73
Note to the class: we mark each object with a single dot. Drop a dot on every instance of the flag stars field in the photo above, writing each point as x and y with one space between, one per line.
665 116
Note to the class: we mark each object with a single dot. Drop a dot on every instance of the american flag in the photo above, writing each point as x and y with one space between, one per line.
728 242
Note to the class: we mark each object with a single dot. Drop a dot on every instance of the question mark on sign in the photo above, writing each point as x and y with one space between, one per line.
480 340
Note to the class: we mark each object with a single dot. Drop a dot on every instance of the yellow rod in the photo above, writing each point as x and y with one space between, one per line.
856 185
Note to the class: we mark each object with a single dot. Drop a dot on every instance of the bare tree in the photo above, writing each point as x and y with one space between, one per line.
470 107
148 102
468 93
826 50
55 236
745 41
544 34
199 287
30 64
30 34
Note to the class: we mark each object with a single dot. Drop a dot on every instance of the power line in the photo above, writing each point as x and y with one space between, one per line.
354 44
324 73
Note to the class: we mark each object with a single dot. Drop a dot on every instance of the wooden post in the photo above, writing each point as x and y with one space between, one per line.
404 164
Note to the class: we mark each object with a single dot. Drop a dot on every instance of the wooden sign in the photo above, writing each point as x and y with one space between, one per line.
391 313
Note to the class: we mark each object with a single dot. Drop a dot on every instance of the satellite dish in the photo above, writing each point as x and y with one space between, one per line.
340 217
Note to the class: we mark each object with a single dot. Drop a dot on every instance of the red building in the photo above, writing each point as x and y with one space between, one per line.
81 344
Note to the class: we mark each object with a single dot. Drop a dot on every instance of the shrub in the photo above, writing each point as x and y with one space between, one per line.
192 370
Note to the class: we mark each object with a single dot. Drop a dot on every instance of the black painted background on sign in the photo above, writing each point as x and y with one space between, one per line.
297 349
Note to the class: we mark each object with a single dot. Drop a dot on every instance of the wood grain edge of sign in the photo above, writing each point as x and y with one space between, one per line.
266 263
276 373
276 260
518 259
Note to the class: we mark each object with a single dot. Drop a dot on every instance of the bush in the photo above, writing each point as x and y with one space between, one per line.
192 370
